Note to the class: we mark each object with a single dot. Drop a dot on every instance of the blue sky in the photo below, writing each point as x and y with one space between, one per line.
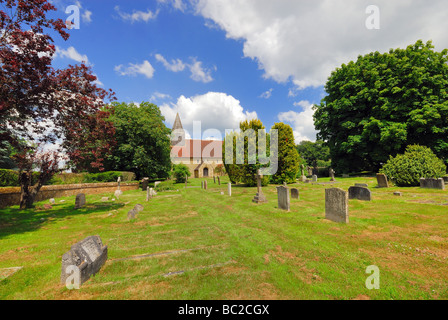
220 62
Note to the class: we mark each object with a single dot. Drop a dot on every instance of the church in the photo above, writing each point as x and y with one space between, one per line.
200 156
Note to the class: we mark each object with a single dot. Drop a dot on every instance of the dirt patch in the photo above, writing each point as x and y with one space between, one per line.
362 297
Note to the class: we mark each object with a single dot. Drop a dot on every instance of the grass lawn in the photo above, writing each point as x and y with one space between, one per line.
213 246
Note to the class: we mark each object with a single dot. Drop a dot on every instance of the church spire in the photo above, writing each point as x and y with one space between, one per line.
178 133
177 124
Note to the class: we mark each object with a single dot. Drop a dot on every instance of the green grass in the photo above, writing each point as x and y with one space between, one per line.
236 249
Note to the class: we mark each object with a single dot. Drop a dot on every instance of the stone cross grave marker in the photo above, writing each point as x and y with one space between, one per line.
360 193
259 197
80 200
336 205
86 256
432 183
294 193
382 180
283 198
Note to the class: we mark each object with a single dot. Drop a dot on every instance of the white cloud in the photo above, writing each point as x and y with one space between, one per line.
175 65
267 94
304 41
177 4
200 74
137 16
215 110
71 53
87 16
157 96
145 69
301 122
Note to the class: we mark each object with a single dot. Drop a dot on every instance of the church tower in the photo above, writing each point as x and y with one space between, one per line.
178 133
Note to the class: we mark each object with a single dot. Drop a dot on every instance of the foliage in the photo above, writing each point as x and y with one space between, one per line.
143 142
220 170
180 171
165 186
405 170
33 95
316 154
381 103
288 157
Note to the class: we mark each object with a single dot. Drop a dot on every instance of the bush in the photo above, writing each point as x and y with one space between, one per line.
9 178
179 173
405 170
165 185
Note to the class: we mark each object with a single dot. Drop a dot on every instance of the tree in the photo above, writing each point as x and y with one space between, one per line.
180 172
39 104
143 141
220 169
288 157
381 103
314 153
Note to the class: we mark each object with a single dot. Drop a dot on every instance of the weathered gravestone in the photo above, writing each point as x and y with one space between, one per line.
428 183
205 184
229 188
331 174
132 214
138 207
104 199
214 179
118 193
314 178
85 258
157 183
382 180
118 183
283 198
152 192
336 205
52 201
361 185
397 193
80 200
148 194
219 181
145 183
259 197
294 193
360 193
202 184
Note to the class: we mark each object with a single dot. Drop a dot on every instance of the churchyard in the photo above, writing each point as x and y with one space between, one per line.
193 243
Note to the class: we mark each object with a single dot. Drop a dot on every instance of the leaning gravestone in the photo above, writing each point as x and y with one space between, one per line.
87 256
382 180
432 183
336 205
294 193
132 214
283 198
360 193
80 200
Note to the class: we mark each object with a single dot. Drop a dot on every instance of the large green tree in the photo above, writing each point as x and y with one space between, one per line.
143 141
314 153
288 157
381 103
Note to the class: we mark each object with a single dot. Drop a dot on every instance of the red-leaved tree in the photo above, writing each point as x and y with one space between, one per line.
44 106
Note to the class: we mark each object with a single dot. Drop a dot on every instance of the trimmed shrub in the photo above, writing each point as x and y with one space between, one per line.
166 185
179 173
405 170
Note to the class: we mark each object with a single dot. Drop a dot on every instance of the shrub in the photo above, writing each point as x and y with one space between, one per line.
179 173
9 178
165 185
405 170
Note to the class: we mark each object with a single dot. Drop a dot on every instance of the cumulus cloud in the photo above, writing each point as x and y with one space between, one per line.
71 53
215 110
301 122
303 41
137 16
175 65
177 4
199 73
145 69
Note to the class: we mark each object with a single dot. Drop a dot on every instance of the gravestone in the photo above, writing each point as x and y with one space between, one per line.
152 192
382 180
132 214
428 183
361 185
104 199
314 178
397 193
360 193
157 183
219 181
138 207
80 200
229 188
345 176
52 201
88 255
145 183
186 180
205 184
118 193
259 197
307 180
283 198
331 173
202 184
303 178
294 193
148 194
118 182
214 179
336 205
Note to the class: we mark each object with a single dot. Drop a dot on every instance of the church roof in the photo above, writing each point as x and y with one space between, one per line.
177 124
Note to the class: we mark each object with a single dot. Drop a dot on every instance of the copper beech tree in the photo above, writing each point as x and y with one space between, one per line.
42 106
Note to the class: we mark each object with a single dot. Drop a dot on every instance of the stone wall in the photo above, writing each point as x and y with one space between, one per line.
11 196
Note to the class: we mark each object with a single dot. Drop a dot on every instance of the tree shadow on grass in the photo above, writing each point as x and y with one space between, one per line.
16 221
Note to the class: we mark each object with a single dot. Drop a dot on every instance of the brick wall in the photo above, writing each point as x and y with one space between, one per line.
11 196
